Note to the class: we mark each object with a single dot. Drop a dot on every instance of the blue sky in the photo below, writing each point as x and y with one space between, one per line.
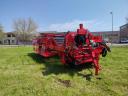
64 15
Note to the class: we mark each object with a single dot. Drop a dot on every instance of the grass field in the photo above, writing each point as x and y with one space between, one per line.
23 73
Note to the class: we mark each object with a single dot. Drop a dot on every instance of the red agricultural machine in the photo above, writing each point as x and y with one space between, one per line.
73 48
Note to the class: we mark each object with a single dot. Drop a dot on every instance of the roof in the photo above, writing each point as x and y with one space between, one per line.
106 32
124 25
48 32
12 32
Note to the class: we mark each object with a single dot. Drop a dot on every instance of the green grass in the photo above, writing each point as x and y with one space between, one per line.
23 73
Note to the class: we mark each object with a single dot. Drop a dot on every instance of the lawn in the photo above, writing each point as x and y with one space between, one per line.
23 73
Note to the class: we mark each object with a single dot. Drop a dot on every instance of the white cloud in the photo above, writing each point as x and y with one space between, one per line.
92 25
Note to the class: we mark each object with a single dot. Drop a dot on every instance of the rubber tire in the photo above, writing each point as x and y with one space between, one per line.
104 52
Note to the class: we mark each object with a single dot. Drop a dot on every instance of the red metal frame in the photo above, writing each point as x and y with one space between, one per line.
64 45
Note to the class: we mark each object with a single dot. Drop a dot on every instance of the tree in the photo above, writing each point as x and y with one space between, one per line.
1 33
24 28
127 20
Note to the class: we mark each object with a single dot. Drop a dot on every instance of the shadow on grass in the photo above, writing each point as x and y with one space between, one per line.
54 66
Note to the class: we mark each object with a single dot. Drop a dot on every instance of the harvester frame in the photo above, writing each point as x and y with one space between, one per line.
73 48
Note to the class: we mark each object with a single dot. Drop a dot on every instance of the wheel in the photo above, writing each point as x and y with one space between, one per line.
104 52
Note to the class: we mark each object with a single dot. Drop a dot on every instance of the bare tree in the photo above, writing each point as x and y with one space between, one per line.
1 33
24 29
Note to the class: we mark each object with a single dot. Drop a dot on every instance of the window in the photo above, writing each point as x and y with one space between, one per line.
9 35
13 41
13 35
5 41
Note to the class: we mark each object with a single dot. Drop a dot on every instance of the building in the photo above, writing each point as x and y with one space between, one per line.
9 39
113 37
124 33
120 36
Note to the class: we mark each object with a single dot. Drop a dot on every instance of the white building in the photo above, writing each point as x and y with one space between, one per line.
9 39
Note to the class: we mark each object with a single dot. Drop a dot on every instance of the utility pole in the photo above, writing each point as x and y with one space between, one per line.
112 24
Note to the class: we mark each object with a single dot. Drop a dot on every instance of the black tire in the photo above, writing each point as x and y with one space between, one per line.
104 52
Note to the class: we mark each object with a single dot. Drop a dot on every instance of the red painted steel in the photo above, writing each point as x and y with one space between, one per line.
74 48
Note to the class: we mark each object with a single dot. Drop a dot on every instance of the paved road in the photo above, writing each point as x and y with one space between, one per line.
13 45
125 44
